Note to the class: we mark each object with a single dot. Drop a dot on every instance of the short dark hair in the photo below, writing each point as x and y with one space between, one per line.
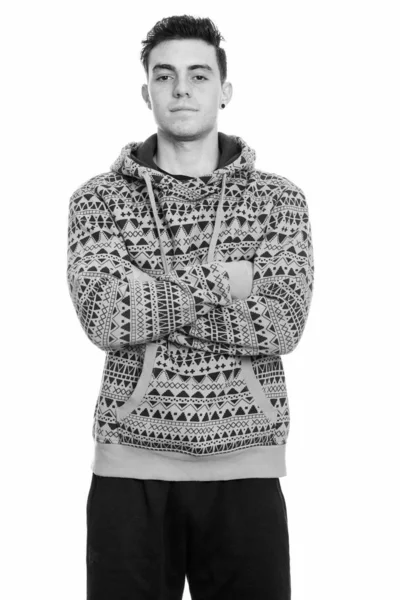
185 27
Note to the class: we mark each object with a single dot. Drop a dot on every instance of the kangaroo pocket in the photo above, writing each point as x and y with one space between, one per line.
265 378
142 383
261 397
196 403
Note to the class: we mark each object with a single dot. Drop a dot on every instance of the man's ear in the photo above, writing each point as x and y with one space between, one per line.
145 95
227 91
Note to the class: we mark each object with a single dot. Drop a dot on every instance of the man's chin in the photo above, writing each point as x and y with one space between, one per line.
184 133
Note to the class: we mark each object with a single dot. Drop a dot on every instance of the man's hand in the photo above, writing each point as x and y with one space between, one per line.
141 275
240 277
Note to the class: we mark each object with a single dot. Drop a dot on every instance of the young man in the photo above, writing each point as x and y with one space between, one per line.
193 271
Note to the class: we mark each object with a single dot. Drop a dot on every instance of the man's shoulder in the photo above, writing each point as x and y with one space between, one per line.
274 181
90 186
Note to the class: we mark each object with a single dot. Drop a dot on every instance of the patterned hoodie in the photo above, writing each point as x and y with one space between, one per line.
193 385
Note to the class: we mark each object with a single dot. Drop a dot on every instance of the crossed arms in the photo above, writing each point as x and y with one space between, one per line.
202 306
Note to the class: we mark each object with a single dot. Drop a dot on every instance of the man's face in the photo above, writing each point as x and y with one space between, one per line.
178 84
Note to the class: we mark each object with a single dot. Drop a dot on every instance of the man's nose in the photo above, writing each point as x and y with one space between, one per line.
182 87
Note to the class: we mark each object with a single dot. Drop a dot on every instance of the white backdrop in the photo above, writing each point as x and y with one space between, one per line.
315 93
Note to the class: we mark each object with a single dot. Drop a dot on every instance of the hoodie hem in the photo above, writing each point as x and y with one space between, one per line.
120 460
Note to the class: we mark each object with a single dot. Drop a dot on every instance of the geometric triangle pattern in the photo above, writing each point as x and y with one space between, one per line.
194 404
272 319
197 401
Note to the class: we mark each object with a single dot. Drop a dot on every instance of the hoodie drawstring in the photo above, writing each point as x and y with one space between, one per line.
158 224
217 225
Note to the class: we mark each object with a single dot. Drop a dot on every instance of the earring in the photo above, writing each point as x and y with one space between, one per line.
222 105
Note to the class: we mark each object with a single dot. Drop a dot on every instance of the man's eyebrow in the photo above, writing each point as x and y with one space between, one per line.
190 67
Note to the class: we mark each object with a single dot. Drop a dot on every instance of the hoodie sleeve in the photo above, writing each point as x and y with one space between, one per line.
117 304
271 320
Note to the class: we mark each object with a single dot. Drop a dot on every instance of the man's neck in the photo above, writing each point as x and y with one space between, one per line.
194 158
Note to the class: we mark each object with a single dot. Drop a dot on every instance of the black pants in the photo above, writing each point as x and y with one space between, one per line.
229 538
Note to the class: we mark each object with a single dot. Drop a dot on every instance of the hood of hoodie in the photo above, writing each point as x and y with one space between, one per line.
228 147
136 159
236 162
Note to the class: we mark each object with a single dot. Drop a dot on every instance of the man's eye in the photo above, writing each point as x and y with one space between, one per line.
164 76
